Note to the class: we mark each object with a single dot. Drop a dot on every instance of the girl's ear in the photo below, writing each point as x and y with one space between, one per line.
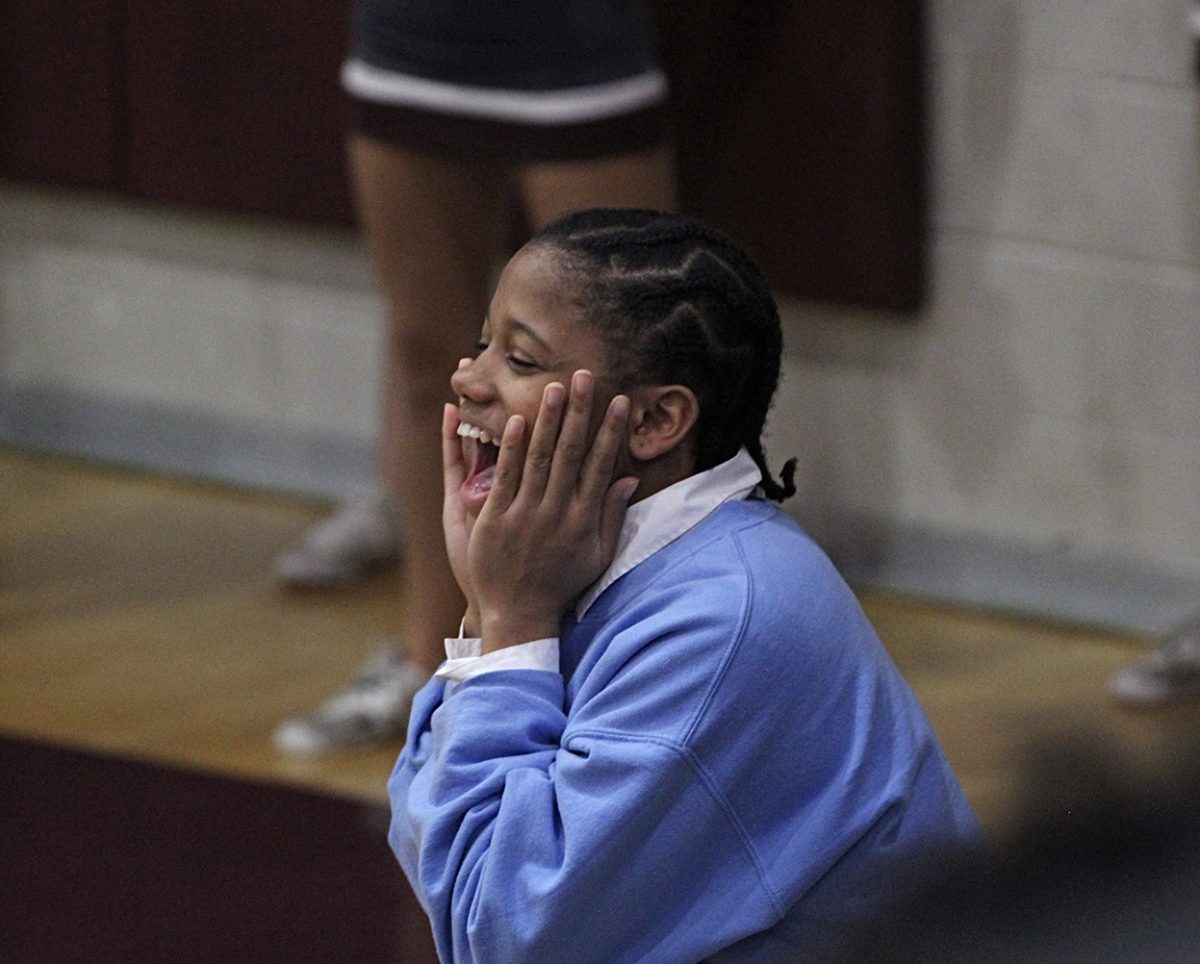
660 419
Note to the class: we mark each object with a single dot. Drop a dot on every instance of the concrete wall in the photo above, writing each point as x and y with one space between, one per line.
1050 393
1031 440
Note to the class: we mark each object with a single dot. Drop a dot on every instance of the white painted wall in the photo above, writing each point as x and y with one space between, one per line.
1049 395
1051 390
237 318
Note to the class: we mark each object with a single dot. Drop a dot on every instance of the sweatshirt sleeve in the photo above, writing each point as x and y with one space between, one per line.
522 848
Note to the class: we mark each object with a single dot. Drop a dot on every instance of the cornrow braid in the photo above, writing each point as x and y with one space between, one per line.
679 302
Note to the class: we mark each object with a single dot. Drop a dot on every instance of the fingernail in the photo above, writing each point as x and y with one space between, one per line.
554 394
630 488
620 406
582 380
464 362
513 427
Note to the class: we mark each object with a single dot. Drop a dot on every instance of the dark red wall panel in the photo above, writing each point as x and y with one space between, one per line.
800 132
60 93
237 105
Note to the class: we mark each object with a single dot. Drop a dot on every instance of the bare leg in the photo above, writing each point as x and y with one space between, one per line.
551 189
431 226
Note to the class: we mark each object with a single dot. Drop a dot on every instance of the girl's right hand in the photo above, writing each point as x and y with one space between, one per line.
455 521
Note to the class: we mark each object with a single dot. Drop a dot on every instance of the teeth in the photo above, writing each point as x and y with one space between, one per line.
475 432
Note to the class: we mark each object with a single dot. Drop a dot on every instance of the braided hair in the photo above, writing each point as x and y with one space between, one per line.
679 302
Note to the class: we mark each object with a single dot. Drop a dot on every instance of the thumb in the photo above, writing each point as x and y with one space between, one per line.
453 469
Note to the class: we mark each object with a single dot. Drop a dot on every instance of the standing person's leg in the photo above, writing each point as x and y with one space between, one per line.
550 189
431 225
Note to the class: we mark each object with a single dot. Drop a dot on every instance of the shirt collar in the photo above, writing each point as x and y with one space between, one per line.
663 517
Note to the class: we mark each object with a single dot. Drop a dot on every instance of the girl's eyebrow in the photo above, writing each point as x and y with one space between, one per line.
529 331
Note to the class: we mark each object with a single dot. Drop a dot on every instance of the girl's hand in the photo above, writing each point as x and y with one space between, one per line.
455 521
551 522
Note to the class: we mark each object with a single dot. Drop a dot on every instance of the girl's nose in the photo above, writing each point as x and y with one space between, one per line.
467 380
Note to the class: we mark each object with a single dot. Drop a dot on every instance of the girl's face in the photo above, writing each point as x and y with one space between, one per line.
533 335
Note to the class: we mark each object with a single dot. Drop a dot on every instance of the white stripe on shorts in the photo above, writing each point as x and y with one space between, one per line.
572 105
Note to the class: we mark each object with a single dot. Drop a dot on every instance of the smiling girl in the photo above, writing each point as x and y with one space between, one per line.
668 731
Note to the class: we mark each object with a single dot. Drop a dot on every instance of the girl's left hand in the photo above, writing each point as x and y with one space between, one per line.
551 522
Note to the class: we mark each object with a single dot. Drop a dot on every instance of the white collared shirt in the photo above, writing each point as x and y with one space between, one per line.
649 526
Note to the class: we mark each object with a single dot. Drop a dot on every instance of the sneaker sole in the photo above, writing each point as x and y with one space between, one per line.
334 580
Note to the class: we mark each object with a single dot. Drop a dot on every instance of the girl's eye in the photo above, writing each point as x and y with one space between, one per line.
519 363
480 347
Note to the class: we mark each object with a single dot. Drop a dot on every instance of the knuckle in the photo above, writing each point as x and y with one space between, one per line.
572 449
506 474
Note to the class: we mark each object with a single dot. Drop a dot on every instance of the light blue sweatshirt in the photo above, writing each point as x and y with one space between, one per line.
728 764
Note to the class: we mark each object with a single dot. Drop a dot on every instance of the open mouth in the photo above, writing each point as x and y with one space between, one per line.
479 453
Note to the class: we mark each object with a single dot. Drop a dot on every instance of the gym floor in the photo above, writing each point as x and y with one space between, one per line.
141 624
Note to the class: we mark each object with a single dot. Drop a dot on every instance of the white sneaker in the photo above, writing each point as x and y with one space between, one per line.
373 708
362 534
1169 674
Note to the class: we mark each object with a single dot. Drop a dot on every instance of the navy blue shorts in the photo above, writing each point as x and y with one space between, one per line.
514 79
